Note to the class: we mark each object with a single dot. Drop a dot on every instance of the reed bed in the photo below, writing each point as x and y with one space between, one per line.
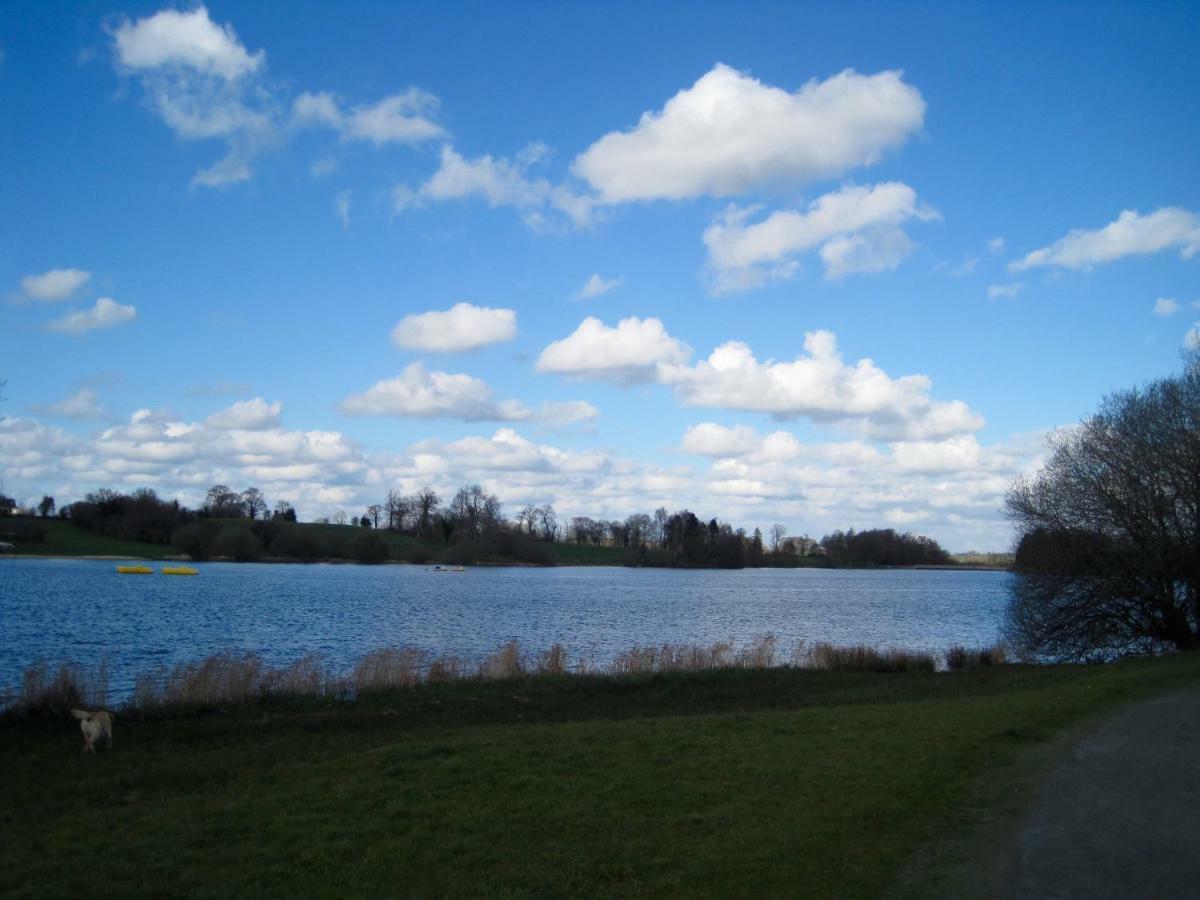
959 657
861 658
233 678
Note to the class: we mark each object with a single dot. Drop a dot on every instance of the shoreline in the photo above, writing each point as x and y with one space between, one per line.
275 560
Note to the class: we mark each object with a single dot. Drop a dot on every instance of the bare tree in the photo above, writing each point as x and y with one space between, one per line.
1109 554
527 518
339 517
425 503
375 510
778 533
223 502
547 522
398 507
254 502
284 511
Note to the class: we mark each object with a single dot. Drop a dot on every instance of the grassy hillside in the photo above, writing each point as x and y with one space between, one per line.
734 783
64 538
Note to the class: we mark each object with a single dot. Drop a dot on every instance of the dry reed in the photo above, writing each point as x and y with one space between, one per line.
57 692
861 658
230 678
959 657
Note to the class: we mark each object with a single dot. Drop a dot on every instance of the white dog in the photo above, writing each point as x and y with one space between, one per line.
94 725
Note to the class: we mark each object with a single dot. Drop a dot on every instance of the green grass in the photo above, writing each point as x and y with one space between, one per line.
733 783
65 538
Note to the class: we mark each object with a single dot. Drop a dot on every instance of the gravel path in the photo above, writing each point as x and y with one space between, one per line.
1119 816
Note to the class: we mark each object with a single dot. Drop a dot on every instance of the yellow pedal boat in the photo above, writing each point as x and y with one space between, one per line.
135 570
179 570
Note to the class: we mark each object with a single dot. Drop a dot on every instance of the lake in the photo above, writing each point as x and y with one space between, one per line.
79 610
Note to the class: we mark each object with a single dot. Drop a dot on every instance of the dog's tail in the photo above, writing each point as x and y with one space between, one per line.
81 714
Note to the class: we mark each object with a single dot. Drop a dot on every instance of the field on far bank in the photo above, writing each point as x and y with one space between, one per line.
740 782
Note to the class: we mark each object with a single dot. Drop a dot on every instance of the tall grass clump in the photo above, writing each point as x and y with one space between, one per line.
55 692
504 663
387 669
959 657
861 658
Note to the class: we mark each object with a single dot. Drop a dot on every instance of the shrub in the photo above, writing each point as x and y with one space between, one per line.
239 543
195 540
295 542
371 548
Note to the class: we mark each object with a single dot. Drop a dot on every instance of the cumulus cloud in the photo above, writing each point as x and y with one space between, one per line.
106 313
1165 306
57 284
856 228
401 118
1191 340
1004 291
628 353
83 405
501 182
419 393
730 133
247 415
189 40
595 286
462 327
1131 234
203 83
819 386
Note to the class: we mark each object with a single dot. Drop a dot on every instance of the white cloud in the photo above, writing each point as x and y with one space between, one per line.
856 228
627 353
730 133
996 245
57 284
1131 234
247 415
711 439
596 286
401 118
501 182
462 327
560 414
1165 306
419 393
309 110
106 313
341 203
83 405
184 39
1191 340
398 119
203 84
1004 291
819 386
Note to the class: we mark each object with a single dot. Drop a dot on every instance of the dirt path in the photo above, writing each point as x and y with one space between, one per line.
1119 815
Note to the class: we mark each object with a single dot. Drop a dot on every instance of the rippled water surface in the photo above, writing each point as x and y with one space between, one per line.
80 610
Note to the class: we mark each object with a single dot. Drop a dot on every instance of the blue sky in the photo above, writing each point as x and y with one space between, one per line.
848 264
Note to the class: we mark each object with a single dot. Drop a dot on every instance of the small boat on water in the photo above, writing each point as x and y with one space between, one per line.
179 570
449 569
135 570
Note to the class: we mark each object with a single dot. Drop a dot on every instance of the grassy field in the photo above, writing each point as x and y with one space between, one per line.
64 538
730 783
